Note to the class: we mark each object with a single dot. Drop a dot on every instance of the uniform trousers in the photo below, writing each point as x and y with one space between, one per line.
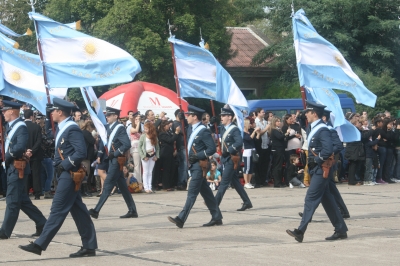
335 192
67 200
114 177
319 192
198 184
229 176
17 199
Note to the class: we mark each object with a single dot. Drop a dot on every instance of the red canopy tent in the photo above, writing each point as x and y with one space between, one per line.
142 96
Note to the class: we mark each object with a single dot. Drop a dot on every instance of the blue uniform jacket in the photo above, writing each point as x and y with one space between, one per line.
18 142
121 142
204 144
233 140
337 143
72 146
321 144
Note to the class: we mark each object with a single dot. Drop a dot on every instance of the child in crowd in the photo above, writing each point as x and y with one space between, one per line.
213 176
293 174
370 155
131 181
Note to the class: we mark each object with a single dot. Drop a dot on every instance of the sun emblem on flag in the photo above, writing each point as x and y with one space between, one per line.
15 76
338 59
91 49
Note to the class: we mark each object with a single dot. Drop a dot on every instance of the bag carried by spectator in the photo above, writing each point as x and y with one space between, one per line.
255 156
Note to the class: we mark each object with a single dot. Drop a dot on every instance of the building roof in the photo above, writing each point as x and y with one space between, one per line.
246 43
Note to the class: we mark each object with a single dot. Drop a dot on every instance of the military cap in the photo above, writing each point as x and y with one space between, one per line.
8 105
327 114
226 110
60 104
312 106
112 111
193 110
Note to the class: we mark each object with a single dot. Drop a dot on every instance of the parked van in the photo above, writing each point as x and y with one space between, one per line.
281 107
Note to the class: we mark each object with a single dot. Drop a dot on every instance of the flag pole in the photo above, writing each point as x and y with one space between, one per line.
46 85
178 93
88 100
303 96
211 101
2 139
215 124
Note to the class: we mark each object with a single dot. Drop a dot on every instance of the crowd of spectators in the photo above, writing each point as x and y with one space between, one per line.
274 152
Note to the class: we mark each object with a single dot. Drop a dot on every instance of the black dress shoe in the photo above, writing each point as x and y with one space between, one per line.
180 188
3 236
297 234
32 247
37 197
94 213
83 252
39 230
390 181
176 221
245 207
130 214
213 222
337 236
345 215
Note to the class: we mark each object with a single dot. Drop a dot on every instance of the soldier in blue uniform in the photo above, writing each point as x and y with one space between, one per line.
200 147
117 144
17 198
337 148
320 144
70 145
231 145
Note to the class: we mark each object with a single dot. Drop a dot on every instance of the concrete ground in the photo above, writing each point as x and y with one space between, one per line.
253 237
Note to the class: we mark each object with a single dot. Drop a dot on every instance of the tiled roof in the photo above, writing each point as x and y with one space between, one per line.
246 43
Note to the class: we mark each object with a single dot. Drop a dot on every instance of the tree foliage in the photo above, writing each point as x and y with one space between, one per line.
365 31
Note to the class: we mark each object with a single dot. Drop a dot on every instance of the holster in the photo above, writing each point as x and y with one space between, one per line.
121 161
20 166
235 159
78 177
204 164
327 165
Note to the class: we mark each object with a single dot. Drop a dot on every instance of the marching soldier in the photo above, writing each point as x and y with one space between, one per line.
320 148
70 151
117 144
337 148
17 198
231 143
200 147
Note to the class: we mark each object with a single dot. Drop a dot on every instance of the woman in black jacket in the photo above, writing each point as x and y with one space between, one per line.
87 128
381 148
390 150
167 140
278 143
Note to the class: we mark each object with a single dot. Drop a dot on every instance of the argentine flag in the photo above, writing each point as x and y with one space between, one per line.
74 59
321 65
96 114
22 76
200 75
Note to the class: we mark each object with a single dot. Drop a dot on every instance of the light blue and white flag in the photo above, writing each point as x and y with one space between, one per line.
348 132
74 59
330 99
10 32
22 76
95 112
321 65
200 75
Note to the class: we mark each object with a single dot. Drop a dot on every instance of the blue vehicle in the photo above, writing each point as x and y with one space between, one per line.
281 107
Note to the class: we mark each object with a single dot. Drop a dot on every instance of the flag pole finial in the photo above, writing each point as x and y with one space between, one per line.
169 29
32 4
292 6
